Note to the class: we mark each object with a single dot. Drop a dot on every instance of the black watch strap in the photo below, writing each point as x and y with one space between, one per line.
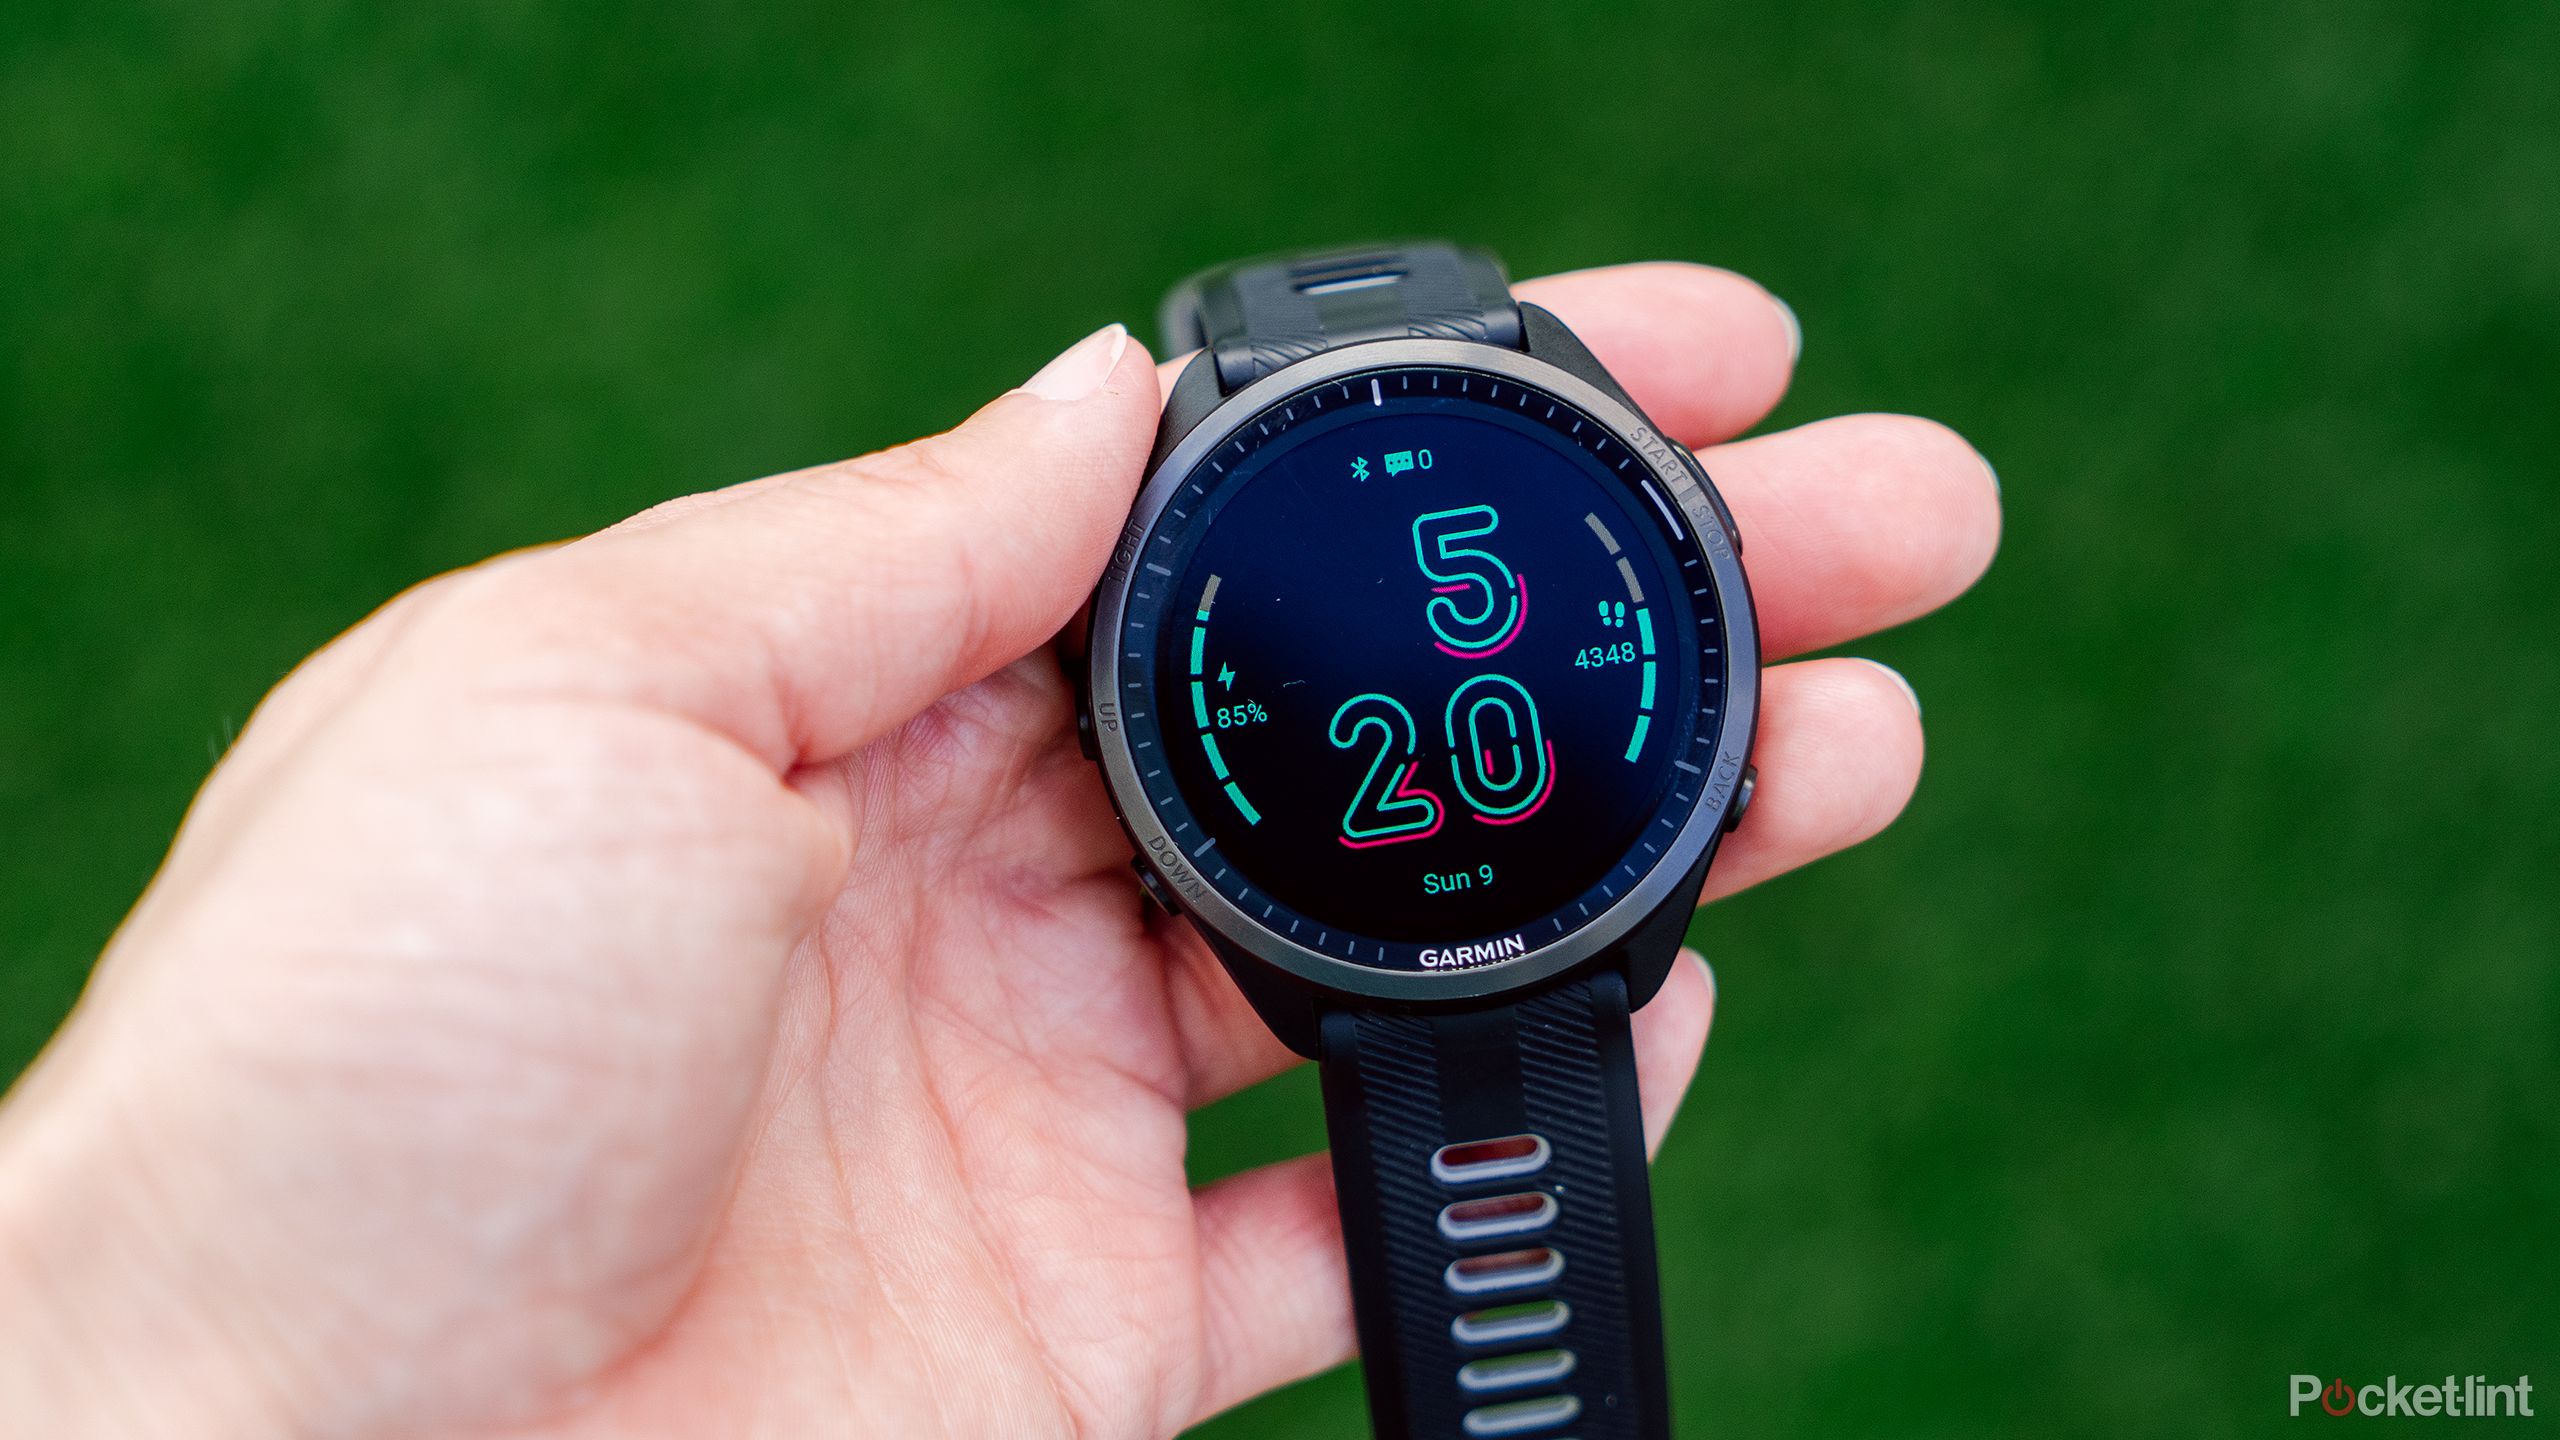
1489 1163
1258 315
1490 1169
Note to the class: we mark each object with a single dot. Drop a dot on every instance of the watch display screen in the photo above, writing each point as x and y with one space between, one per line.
1421 668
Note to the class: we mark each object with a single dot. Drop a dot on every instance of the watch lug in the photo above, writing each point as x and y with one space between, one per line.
1650 948
1195 393
1285 1003
1548 338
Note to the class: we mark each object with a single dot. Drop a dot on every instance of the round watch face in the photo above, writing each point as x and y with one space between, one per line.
1421 669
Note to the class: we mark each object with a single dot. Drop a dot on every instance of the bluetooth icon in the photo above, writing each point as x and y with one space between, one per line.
1359 467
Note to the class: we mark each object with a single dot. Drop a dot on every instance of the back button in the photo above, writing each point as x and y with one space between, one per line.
1742 796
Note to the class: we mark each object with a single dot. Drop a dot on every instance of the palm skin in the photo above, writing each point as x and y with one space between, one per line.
991 1055
689 983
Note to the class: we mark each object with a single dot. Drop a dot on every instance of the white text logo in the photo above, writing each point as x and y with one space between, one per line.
1460 956
2456 1395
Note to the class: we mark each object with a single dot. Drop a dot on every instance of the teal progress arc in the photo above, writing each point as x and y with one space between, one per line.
1200 704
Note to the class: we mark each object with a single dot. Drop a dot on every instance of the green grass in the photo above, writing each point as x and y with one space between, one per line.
2195 1028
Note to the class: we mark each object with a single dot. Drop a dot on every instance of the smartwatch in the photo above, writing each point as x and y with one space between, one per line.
1424 679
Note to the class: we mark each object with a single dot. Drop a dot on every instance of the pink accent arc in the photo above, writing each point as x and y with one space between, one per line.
1535 805
1519 622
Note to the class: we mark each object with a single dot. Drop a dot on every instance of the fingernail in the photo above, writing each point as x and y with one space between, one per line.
1795 329
1705 969
1082 369
1988 470
1896 677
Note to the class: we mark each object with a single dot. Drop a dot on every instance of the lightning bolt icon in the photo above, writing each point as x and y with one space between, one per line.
1226 677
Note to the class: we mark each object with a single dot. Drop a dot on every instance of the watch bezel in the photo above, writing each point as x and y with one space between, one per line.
1708 536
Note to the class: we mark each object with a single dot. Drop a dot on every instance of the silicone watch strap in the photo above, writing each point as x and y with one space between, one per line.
1258 315
1490 1168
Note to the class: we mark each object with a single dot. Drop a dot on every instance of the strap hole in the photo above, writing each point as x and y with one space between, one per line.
1497 1215
1501 1324
1521 1417
1508 1270
1515 1372
1475 1161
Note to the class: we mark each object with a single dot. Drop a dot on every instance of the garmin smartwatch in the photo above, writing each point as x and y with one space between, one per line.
1424 679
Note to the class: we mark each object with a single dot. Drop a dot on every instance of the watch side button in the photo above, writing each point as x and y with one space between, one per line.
1153 884
1725 514
1085 740
1742 796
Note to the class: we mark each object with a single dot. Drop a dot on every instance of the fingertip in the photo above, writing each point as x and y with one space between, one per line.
1275 1299
1901 682
1670 1038
1106 371
1857 523
1946 477
1839 756
1133 371
1678 1016
1705 350
1706 971
1795 329
1081 368
1065 450
1877 705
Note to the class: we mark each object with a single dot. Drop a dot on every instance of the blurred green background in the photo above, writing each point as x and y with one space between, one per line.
2198 1026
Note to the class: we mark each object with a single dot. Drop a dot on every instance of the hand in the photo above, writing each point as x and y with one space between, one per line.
687 982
